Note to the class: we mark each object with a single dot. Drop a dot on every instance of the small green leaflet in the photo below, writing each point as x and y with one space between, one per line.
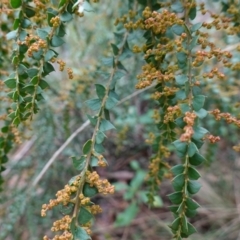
111 103
11 83
84 216
94 104
79 164
193 187
100 137
47 68
105 125
101 90
89 191
99 148
193 174
115 49
16 24
16 121
43 84
196 26
175 224
61 3
184 224
11 35
176 197
182 57
181 79
34 80
56 41
66 16
202 113
199 133
198 102
87 147
193 13
196 159
94 162
178 169
49 55
194 42
184 107
80 234
191 204
42 34
177 7
16 3
192 149
178 182
180 146
178 29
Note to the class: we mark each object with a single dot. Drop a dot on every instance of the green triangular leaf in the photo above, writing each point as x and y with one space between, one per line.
178 182
79 164
80 234
196 159
16 3
101 90
176 197
181 79
115 49
178 169
111 103
198 102
11 83
175 224
191 204
180 146
100 137
178 29
192 149
87 146
89 191
84 216
193 174
105 125
94 104
193 187
56 41
199 133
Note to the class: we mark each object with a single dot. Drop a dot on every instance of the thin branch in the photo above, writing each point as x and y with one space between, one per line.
57 153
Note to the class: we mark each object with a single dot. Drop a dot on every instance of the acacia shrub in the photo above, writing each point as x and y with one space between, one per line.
187 72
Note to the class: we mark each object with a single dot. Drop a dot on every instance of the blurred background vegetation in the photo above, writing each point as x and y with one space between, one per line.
126 215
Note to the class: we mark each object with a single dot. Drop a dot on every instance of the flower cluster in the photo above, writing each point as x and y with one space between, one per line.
172 113
213 139
188 129
103 186
226 116
55 21
61 225
63 197
160 22
34 44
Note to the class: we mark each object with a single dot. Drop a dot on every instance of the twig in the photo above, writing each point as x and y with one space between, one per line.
57 153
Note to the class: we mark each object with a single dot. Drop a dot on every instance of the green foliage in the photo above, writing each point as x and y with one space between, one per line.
166 47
